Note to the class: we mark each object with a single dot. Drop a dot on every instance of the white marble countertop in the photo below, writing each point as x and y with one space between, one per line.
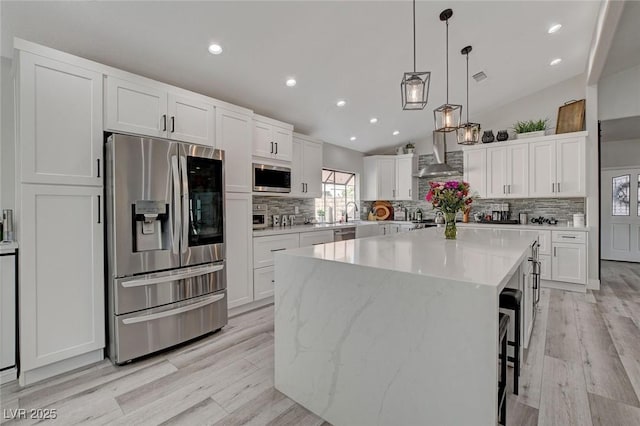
545 227
310 228
8 247
479 256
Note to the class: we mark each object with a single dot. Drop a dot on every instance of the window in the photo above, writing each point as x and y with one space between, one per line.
620 195
338 189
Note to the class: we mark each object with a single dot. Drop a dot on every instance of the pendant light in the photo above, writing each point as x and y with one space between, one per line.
447 116
414 87
468 133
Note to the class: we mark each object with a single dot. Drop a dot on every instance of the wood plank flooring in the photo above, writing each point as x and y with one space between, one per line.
582 368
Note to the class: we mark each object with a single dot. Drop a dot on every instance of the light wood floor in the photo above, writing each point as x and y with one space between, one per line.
582 368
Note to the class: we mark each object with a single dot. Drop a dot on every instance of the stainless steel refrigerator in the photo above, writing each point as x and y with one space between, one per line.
166 280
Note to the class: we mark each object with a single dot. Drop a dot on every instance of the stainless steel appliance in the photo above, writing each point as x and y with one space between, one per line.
260 217
268 178
344 234
8 312
166 280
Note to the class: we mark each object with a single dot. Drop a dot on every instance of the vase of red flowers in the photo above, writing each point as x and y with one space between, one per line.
449 198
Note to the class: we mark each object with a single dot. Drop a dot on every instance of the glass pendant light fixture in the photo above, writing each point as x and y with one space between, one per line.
447 116
468 133
414 87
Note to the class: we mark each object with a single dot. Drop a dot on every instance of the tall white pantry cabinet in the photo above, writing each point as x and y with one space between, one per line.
59 223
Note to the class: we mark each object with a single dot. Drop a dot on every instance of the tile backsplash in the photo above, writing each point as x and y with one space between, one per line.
286 205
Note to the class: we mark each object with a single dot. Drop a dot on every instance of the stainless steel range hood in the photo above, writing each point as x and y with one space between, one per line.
439 167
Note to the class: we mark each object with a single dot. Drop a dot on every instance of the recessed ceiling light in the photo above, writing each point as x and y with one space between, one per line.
291 82
555 61
352 138
341 103
554 28
373 120
396 132
215 49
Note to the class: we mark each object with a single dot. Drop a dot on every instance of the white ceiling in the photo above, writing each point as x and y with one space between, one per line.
356 50
625 48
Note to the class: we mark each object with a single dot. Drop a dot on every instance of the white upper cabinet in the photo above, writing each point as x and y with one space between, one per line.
406 183
153 111
570 168
390 177
272 139
386 182
475 171
190 120
542 169
306 167
508 172
497 172
59 122
233 135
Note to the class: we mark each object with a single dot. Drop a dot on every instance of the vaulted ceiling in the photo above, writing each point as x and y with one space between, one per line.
352 50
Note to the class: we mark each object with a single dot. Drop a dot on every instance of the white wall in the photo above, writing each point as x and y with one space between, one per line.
7 147
620 153
619 94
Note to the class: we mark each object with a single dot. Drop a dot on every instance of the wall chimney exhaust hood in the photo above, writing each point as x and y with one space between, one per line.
439 167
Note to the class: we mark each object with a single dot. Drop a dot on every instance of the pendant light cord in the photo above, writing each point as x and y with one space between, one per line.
467 87
447 55
414 36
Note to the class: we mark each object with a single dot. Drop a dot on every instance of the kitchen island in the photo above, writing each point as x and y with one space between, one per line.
395 330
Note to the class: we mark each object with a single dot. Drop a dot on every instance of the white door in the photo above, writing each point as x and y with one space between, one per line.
297 168
312 169
60 122
191 120
239 249
61 273
133 108
518 171
404 179
542 169
233 135
282 139
620 215
568 263
386 179
475 171
264 282
570 168
497 172
263 145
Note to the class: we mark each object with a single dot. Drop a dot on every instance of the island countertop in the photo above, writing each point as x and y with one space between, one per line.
479 256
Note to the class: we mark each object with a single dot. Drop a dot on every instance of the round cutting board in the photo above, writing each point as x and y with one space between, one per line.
383 210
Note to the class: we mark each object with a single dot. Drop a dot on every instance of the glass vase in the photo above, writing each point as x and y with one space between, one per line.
450 230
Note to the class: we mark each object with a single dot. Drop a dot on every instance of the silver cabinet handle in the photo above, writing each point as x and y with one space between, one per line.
98 162
173 124
409 192
174 277
271 147
280 249
554 252
509 189
558 186
176 311
276 148
504 189
553 187
164 122
302 187
569 236
99 209
176 204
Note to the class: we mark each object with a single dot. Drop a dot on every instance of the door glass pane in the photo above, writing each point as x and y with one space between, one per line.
620 195
205 201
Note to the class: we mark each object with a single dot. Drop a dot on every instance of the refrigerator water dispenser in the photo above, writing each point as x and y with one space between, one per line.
150 220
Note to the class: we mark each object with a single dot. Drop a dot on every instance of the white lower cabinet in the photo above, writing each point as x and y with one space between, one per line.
569 263
239 249
61 273
263 282
545 266
315 238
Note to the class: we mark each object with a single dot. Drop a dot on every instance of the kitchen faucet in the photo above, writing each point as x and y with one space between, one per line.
346 210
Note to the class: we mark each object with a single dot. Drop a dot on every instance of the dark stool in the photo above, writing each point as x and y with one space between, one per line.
511 298
502 384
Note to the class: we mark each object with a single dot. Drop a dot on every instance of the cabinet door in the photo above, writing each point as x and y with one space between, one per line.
59 122
570 168
282 139
61 273
518 171
386 179
297 169
191 120
263 145
542 169
405 182
312 169
314 238
233 135
264 282
497 172
369 183
239 249
7 311
544 242
569 263
264 247
545 267
475 171
133 108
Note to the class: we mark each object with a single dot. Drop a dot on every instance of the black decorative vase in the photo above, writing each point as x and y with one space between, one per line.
502 135
487 136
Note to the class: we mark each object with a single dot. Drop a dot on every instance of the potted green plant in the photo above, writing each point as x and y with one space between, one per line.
530 128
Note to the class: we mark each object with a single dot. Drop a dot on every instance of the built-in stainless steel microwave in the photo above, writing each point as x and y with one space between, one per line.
268 178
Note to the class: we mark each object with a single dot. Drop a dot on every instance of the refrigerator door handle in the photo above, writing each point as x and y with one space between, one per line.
176 311
185 205
176 204
173 277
